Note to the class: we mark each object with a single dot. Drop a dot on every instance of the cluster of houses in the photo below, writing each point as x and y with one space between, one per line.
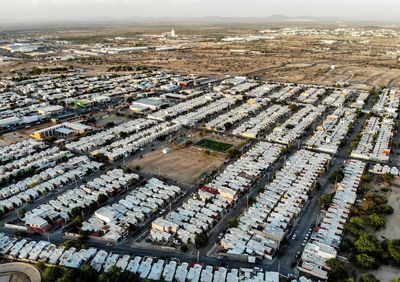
286 93
215 107
324 242
145 267
239 176
35 186
112 222
375 141
338 97
195 216
91 142
311 95
262 90
183 107
330 134
32 100
201 212
58 211
226 121
388 103
20 149
296 125
252 127
360 100
129 145
265 224
36 162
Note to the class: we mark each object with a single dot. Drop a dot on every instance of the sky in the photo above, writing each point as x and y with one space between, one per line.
70 10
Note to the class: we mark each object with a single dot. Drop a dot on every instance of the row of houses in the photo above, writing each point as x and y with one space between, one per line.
252 127
388 103
199 114
183 107
311 95
227 120
33 187
324 242
384 169
129 145
91 142
20 149
296 125
113 222
34 163
330 134
145 267
262 90
286 93
375 141
265 224
57 211
338 97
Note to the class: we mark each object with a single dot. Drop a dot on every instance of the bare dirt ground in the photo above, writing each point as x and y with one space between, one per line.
11 138
392 229
302 59
181 165
386 273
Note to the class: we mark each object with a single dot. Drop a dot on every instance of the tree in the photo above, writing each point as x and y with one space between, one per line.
326 200
367 243
102 198
396 279
184 248
383 209
200 240
100 157
76 211
365 261
52 273
233 222
368 278
376 220
393 247
338 270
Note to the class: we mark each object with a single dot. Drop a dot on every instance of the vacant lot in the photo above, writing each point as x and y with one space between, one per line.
391 230
213 145
11 138
181 165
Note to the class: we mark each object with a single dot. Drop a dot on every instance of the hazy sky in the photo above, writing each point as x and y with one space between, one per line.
38 10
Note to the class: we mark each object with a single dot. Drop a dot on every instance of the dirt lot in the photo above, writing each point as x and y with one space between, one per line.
385 273
181 165
11 138
392 229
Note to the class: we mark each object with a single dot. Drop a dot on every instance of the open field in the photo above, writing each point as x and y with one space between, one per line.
11 138
392 229
181 165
